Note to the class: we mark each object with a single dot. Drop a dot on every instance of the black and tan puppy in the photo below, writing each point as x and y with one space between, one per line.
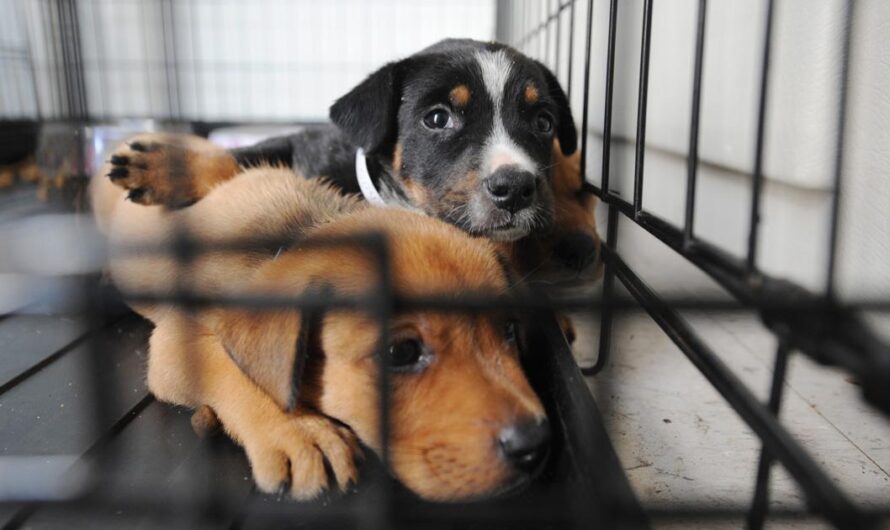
470 132
464 421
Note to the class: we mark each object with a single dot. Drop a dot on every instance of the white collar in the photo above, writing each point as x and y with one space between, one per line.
369 190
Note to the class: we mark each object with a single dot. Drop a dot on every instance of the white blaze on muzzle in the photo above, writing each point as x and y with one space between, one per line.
500 149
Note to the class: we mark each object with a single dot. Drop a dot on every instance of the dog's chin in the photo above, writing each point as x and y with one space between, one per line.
425 483
499 225
514 486
506 234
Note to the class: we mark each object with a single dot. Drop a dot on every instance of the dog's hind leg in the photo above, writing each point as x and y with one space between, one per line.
172 170
189 366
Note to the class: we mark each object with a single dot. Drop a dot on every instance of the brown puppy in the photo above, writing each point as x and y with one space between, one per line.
465 422
177 169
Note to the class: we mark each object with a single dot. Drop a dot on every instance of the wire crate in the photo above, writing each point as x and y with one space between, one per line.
108 454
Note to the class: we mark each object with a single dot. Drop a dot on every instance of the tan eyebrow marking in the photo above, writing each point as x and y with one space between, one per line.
459 95
531 93
397 160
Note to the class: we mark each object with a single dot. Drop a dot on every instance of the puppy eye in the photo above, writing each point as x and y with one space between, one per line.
438 119
544 122
407 355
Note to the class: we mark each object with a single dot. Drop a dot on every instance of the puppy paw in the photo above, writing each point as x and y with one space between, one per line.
169 170
145 168
291 456
576 250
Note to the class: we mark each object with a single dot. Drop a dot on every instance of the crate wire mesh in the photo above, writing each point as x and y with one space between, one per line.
558 33
209 60
818 324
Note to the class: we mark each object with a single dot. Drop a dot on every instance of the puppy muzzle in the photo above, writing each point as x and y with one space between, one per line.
508 205
511 189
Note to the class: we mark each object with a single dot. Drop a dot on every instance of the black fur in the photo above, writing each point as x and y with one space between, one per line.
576 250
308 340
318 151
367 114
565 130
444 168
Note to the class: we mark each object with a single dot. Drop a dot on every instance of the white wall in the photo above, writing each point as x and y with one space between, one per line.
16 82
287 60
801 128
255 60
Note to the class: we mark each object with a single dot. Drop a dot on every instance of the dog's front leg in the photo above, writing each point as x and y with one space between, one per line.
287 450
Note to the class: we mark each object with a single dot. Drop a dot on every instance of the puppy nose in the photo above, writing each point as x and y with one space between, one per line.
524 445
511 189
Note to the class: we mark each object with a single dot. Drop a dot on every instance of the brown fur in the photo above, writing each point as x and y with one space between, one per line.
416 192
205 422
7 178
459 95
26 172
459 194
239 363
531 94
397 161
532 256
574 208
172 169
573 212
206 165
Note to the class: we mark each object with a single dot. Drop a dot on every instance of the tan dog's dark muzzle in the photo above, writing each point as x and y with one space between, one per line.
525 445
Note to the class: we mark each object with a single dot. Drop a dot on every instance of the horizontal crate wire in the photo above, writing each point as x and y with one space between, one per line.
211 60
736 136
680 99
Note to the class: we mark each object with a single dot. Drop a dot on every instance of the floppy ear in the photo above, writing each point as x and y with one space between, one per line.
368 114
565 130
270 347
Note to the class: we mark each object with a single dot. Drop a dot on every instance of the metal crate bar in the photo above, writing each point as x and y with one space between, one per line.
823 496
586 97
571 50
805 322
610 85
759 505
642 99
757 182
849 14
826 330
695 122
607 311
821 327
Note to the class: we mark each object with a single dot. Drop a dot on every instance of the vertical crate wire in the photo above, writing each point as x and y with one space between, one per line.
780 302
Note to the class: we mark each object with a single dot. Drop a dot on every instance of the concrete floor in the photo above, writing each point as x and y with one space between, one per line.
679 441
